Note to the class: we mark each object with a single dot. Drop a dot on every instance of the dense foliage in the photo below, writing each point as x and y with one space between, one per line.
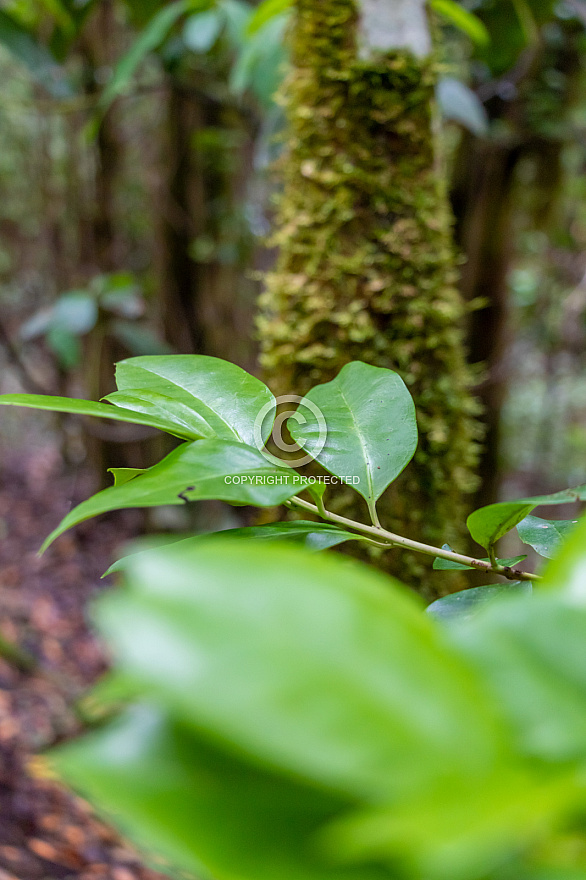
291 714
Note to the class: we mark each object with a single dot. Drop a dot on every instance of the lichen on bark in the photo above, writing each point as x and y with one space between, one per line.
366 267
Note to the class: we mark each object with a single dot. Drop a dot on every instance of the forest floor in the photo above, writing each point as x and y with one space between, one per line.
46 833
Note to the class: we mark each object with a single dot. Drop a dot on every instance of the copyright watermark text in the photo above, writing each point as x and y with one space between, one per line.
286 479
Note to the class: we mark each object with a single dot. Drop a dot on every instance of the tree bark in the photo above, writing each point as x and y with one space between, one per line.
366 269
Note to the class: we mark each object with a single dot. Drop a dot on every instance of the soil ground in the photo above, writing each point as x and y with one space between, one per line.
47 833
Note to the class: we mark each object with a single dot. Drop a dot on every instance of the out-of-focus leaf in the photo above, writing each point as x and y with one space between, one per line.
463 19
37 324
65 345
531 653
208 396
367 427
208 811
567 571
466 604
258 68
139 339
527 20
237 15
151 37
490 523
202 30
459 104
460 834
313 536
60 14
307 662
76 312
545 536
208 469
36 58
265 11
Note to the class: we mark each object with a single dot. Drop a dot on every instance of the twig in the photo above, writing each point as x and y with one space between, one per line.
393 540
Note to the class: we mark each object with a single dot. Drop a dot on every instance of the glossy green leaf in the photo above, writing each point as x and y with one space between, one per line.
125 475
313 536
307 662
467 603
91 408
209 469
39 62
447 565
545 536
463 19
205 395
490 523
208 811
370 427
265 11
317 492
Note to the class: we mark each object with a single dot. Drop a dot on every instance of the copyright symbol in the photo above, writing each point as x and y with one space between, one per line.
303 412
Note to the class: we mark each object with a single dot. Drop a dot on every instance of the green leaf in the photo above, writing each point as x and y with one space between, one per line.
462 833
236 15
209 469
490 523
265 11
91 408
306 662
76 312
125 475
464 20
459 103
317 492
531 654
139 339
149 39
312 535
65 346
207 811
467 603
567 571
201 31
447 565
36 58
545 536
204 395
260 63
370 427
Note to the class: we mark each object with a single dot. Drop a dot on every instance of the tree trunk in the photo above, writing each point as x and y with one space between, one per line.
366 268
483 197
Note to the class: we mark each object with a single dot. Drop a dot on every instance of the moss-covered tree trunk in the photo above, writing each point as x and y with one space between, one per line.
366 269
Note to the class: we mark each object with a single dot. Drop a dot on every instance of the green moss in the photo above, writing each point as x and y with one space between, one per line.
366 269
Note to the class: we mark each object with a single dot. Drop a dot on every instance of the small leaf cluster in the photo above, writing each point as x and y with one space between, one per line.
361 425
